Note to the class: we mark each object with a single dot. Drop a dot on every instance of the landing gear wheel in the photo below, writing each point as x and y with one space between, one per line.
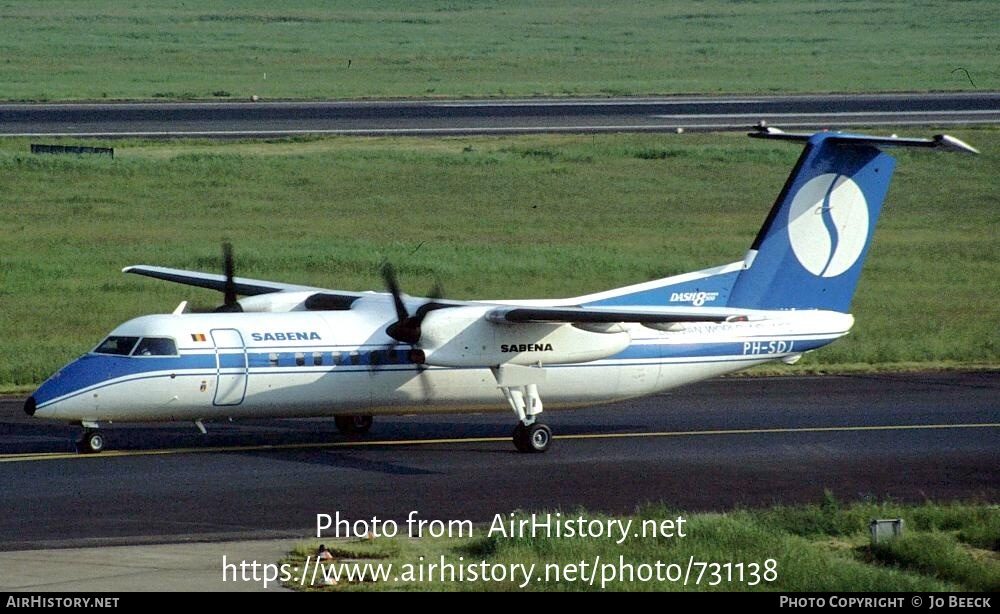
534 438
91 442
539 437
353 425
361 424
521 438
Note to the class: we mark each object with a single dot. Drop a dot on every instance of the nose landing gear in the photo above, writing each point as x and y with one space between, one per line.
91 441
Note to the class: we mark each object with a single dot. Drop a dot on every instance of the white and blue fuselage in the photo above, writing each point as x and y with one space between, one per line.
212 366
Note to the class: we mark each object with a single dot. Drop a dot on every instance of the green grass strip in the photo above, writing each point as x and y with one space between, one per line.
226 50
823 548
491 217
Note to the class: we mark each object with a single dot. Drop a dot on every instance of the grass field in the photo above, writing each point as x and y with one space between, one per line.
515 217
823 548
100 49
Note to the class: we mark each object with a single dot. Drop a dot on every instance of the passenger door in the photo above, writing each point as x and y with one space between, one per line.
232 367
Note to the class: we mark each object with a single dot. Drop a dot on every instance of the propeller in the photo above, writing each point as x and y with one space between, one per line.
229 290
406 328
229 304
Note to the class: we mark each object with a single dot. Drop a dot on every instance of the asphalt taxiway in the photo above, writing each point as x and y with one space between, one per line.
465 117
727 442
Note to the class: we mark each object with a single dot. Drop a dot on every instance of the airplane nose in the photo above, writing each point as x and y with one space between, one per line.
30 406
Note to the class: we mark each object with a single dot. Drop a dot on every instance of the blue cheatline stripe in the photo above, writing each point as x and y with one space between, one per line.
232 361
92 370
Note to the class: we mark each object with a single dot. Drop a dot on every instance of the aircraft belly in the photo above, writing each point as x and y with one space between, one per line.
462 390
444 389
312 393
680 374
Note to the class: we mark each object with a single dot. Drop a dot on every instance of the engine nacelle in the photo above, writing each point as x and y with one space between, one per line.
275 302
462 337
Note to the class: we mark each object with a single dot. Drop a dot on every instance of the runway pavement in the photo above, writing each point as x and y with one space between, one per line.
727 442
453 117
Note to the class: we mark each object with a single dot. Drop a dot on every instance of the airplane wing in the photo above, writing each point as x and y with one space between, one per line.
324 299
318 299
515 315
244 286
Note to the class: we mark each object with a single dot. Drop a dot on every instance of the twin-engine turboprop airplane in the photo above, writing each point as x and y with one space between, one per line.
286 350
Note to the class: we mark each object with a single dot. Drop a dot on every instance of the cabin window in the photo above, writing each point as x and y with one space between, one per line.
155 346
119 346
375 358
318 359
300 359
336 357
273 359
391 356
355 358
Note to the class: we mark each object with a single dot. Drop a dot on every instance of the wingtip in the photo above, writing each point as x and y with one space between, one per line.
945 141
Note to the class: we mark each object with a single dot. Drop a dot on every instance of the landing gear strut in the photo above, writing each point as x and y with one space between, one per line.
353 425
90 442
529 434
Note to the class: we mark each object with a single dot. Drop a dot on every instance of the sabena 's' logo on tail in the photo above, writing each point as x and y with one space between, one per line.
828 224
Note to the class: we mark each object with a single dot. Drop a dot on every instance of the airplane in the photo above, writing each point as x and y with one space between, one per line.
286 350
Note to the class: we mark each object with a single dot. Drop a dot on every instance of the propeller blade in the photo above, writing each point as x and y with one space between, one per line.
389 276
229 304
227 267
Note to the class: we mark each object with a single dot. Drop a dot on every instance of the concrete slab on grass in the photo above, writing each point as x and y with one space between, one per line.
159 567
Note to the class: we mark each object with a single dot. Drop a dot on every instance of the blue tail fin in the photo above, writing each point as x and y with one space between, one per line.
809 253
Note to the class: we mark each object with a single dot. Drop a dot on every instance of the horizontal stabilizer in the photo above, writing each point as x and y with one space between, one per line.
941 141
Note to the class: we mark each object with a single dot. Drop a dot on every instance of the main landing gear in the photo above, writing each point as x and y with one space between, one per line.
529 434
91 441
353 425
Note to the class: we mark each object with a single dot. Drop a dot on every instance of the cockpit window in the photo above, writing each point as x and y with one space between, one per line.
120 346
155 346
